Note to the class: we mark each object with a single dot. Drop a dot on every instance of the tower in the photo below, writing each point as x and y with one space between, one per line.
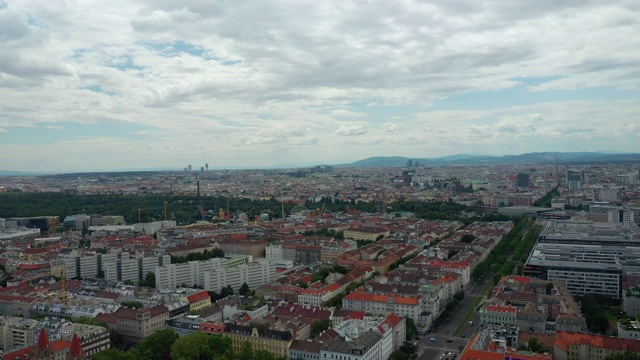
43 347
206 166
75 351
198 182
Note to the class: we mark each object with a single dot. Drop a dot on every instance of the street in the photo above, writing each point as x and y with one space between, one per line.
447 342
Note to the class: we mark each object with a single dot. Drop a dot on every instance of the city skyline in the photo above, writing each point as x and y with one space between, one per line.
138 85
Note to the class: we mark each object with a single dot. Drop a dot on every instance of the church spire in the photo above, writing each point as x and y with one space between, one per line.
75 351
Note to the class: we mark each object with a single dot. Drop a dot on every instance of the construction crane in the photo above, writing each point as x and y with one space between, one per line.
63 285
139 210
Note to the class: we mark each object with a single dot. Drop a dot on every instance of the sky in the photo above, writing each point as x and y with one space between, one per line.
113 85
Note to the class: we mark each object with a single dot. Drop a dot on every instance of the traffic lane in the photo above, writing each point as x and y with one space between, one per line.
430 353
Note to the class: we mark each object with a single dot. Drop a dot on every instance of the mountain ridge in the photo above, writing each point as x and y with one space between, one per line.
526 158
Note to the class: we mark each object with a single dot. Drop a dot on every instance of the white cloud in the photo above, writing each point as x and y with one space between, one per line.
389 127
269 75
351 130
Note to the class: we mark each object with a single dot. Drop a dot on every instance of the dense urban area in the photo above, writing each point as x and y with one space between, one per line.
531 261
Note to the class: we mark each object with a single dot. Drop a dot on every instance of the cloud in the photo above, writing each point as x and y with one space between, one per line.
54 127
351 130
196 73
347 113
389 127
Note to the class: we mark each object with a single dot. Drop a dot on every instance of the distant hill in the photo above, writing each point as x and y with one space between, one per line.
7 173
528 158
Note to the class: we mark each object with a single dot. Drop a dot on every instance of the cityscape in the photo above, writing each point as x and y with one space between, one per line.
330 180
527 261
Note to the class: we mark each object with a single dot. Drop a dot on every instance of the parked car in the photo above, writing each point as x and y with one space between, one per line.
433 340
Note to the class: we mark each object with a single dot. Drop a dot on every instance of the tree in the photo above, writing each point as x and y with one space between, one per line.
467 238
243 289
410 328
627 355
157 346
113 354
247 351
549 287
534 345
319 326
132 304
201 346
149 280
226 291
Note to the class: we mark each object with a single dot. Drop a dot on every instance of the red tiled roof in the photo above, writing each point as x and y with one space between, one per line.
15 298
21 354
106 318
212 328
501 309
564 339
33 266
59 345
361 296
197 297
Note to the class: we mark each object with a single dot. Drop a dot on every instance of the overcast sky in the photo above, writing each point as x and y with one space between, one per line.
103 85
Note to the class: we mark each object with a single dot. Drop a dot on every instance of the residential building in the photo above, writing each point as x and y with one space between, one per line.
576 346
135 325
274 341
256 273
382 304
368 346
171 276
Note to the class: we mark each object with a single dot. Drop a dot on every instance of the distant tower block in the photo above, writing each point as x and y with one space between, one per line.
189 167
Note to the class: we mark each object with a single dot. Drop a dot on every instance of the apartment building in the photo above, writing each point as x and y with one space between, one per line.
135 325
256 273
133 268
274 341
368 346
365 233
171 276
17 332
383 304
576 346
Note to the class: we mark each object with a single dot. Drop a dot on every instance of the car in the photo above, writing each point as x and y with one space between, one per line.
463 336
449 340
433 340
417 338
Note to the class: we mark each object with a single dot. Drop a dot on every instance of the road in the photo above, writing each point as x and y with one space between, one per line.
447 342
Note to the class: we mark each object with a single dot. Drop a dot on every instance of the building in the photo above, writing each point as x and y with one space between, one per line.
255 274
135 325
628 329
609 195
365 233
274 252
498 342
534 305
522 180
93 339
631 301
171 276
17 332
305 350
198 300
261 338
368 346
495 314
575 346
382 304
15 305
